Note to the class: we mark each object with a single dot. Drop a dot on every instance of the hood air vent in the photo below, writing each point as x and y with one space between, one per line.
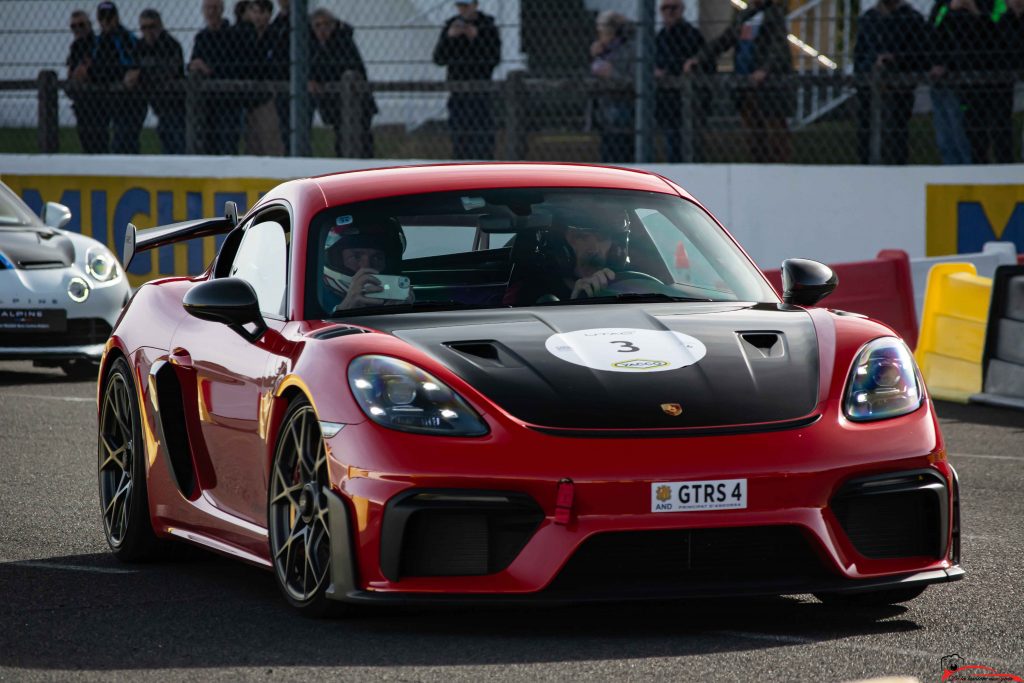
486 354
763 344
332 332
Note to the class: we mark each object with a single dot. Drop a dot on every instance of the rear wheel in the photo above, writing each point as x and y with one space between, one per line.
122 470
300 536
891 596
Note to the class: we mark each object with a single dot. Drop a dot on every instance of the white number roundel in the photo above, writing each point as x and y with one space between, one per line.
616 349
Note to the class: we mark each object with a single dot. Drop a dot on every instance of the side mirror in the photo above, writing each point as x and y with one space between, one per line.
805 282
230 301
56 215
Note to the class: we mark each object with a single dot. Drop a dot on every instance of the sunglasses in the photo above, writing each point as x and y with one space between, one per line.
79 24
147 27
672 8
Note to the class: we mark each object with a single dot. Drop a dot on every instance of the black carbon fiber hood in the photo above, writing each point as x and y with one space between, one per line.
29 248
759 363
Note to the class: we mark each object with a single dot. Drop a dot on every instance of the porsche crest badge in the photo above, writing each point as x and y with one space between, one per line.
663 493
672 409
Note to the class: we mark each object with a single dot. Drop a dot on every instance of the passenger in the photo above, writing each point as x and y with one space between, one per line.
354 255
579 257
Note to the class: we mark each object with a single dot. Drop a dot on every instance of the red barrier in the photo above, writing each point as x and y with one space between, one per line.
880 289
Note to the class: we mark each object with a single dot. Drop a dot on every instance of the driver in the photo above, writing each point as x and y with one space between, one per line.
580 254
356 251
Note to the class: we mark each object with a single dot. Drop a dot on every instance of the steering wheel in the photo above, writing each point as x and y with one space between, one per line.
631 282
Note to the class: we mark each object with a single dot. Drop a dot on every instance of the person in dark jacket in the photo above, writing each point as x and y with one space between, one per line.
988 105
86 103
676 42
161 64
114 65
282 26
470 46
333 53
892 38
261 59
215 55
758 34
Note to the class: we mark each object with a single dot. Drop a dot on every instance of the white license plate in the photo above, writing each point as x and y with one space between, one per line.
689 496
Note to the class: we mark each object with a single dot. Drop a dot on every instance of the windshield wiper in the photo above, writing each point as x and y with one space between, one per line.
628 297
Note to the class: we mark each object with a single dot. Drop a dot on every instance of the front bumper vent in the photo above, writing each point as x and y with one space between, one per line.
895 515
658 560
455 532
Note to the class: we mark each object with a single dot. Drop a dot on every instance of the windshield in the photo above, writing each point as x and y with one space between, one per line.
13 213
521 247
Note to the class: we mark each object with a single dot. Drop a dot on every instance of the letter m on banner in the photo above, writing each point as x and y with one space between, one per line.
961 218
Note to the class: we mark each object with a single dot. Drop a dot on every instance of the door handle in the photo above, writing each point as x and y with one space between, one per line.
181 358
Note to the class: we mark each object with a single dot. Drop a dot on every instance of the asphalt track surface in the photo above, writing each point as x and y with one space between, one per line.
69 610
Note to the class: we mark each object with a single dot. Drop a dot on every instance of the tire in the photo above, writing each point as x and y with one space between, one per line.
297 523
121 471
80 370
881 598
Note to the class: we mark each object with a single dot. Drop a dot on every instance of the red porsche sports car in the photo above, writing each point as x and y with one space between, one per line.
516 382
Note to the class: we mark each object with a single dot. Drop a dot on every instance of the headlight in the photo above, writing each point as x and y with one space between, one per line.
883 383
400 396
100 264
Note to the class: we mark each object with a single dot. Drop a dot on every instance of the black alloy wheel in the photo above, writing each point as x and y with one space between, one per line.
300 536
121 470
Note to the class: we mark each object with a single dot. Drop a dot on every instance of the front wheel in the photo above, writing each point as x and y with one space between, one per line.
881 598
300 535
122 470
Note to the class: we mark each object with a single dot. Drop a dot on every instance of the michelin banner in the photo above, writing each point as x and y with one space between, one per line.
102 206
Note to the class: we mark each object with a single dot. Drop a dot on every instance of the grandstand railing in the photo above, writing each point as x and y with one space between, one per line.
516 91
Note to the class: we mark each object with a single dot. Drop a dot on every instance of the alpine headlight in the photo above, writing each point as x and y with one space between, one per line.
100 264
399 395
883 382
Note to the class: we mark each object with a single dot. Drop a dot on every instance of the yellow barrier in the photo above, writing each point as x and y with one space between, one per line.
953 325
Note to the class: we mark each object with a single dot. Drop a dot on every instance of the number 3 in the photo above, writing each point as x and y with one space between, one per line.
627 347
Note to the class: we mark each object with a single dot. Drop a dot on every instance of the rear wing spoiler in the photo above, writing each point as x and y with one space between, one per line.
136 240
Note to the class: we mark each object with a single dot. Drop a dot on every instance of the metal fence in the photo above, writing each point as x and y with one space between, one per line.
809 81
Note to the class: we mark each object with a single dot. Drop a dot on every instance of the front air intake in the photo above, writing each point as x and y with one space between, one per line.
455 532
895 515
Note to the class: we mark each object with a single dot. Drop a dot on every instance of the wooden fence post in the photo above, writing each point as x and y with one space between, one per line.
875 133
194 106
515 119
688 131
351 110
49 123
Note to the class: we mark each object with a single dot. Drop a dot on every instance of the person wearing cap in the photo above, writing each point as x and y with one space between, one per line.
263 59
86 103
115 65
470 47
578 257
161 64
355 251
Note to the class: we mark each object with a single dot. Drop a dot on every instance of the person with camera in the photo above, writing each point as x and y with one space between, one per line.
470 47
359 255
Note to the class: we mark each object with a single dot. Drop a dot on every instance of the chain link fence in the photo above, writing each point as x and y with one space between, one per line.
808 81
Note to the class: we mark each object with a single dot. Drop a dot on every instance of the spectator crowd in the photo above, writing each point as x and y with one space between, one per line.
969 51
